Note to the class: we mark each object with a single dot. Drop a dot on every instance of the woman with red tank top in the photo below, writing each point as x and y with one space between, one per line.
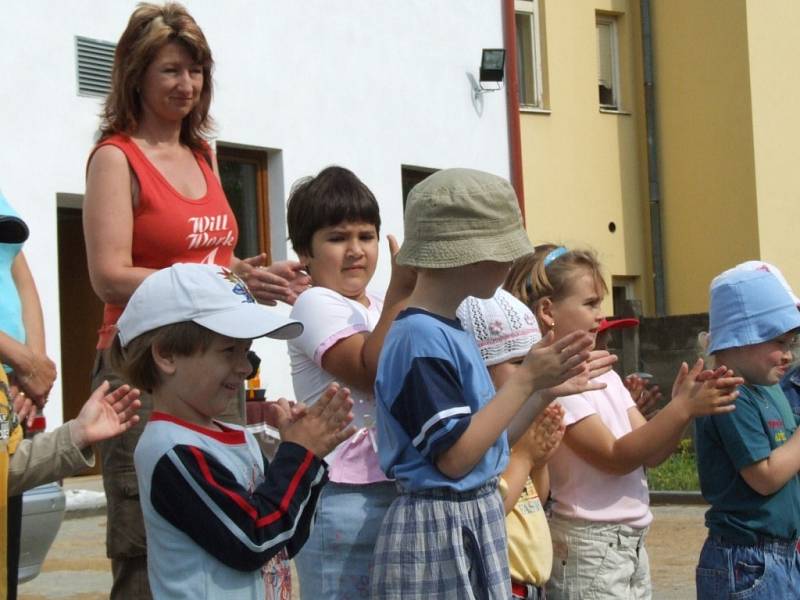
154 198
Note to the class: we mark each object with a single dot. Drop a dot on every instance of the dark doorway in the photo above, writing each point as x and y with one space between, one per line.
81 314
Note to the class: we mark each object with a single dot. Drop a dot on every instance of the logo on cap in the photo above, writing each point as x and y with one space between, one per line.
239 286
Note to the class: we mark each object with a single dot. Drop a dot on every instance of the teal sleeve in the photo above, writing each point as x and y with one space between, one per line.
743 434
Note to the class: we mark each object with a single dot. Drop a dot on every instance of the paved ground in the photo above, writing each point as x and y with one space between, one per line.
77 569
674 543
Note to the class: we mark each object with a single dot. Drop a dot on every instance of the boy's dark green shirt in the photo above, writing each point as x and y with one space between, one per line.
727 443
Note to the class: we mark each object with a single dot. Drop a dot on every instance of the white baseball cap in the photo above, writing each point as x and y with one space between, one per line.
209 295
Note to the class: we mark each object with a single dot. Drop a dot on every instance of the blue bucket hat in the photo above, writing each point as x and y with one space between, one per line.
749 307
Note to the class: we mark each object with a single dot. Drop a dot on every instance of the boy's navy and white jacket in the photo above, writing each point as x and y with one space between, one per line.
215 512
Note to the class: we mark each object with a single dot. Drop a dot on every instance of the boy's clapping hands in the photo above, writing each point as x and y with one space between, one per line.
321 427
598 363
705 392
550 363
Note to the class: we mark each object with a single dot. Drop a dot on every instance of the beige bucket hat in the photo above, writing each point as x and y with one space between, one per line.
458 217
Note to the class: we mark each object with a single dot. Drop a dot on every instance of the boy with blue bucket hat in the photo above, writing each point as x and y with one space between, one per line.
748 460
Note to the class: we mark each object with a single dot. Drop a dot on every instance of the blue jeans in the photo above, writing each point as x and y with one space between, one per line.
770 569
334 563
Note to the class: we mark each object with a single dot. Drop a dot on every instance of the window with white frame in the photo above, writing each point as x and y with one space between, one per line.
529 55
608 62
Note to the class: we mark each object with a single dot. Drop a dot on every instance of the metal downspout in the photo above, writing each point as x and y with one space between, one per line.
652 162
512 103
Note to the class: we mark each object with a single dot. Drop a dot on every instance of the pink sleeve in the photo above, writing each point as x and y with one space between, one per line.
576 408
616 388
327 317
330 342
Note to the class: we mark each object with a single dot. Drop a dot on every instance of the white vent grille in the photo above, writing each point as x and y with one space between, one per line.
95 60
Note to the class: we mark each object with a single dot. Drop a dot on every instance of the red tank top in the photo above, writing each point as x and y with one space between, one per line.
170 228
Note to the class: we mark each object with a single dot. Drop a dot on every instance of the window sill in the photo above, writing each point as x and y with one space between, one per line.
534 110
614 111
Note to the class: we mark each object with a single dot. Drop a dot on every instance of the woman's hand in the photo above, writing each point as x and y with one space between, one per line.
34 375
281 281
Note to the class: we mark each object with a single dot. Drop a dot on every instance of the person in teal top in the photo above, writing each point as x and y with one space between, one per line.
22 343
22 353
748 460
728 444
10 304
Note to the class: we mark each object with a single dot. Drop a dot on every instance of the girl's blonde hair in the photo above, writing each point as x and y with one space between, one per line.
149 29
548 273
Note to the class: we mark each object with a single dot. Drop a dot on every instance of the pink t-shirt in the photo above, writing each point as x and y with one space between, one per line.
328 318
581 491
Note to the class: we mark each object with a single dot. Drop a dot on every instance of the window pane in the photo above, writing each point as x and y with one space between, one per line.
239 180
525 59
605 64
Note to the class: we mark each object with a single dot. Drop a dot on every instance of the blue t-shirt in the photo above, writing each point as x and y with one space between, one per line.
10 304
431 380
729 442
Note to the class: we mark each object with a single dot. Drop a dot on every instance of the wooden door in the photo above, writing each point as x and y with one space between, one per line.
81 315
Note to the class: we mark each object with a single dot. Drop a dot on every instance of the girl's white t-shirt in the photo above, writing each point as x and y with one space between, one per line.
581 491
328 318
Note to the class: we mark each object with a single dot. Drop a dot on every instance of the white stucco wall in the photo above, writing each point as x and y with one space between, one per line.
368 84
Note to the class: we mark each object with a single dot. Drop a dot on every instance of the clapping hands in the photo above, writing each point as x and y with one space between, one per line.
705 392
646 397
552 362
543 437
321 427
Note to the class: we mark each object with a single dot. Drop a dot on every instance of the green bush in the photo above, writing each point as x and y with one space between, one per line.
677 473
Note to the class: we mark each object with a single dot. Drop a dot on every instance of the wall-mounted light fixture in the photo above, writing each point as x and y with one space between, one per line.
493 62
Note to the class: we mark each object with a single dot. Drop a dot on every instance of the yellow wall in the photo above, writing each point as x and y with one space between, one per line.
705 127
728 141
582 168
775 89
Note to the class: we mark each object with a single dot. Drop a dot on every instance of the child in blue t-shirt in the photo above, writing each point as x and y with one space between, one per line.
441 426
748 460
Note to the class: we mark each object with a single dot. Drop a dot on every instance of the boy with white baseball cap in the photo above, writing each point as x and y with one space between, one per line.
214 511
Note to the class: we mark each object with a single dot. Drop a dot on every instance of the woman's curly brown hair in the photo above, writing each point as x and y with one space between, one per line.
149 29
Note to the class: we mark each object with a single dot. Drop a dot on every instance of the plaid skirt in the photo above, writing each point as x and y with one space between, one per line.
443 544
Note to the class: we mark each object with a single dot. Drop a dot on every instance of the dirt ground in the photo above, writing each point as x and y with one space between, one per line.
673 544
77 569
